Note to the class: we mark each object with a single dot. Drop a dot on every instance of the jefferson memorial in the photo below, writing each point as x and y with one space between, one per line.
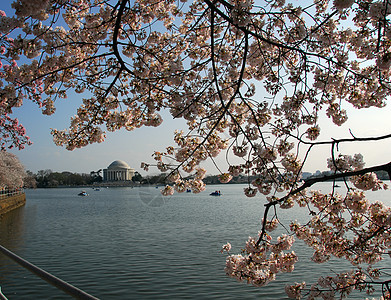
118 171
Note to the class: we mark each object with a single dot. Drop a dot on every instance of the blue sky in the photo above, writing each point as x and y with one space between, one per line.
137 146
133 147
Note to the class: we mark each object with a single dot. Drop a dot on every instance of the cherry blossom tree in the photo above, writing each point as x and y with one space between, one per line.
11 171
12 133
251 79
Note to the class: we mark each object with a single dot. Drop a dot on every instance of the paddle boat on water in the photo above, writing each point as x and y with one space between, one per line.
215 193
83 193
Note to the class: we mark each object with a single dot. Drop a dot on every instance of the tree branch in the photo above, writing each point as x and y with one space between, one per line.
312 181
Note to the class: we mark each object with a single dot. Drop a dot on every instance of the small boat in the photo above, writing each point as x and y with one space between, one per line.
188 191
83 193
215 193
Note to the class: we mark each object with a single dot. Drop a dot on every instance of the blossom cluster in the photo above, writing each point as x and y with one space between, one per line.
330 226
344 163
368 181
260 262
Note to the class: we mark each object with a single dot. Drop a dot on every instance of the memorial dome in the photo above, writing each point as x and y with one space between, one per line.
118 170
118 164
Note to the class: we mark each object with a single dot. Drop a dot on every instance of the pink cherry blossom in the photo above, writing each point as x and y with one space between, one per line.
168 191
255 83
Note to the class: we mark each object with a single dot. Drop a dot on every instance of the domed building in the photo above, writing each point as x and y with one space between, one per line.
118 171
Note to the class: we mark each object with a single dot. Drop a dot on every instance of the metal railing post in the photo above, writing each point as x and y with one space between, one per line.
57 282
2 297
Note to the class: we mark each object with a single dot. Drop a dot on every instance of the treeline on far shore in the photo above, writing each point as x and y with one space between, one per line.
50 179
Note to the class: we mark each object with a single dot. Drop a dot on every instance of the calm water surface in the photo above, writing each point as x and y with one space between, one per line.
124 243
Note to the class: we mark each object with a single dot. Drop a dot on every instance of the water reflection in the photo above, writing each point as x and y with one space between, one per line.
123 243
12 228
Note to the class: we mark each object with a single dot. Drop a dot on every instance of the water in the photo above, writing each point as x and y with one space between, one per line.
124 243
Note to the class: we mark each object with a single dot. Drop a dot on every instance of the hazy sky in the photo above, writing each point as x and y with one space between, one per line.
137 146
133 147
